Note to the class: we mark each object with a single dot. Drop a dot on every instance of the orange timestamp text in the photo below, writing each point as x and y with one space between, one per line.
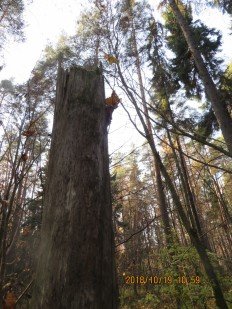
130 280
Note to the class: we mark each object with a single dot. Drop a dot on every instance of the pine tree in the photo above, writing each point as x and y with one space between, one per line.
212 93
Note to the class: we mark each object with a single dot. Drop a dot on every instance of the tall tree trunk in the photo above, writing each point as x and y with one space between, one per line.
76 267
197 242
188 191
219 107
209 269
159 183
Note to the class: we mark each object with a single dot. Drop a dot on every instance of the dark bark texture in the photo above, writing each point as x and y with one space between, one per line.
76 267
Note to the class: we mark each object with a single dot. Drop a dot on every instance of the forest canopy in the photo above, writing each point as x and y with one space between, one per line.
168 88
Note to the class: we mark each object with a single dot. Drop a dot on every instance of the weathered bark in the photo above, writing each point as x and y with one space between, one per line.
76 266
219 107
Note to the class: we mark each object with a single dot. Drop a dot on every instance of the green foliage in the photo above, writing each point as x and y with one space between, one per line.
164 83
207 124
175 262
136 214
226 86
6 86
34 217
11 20
224 5
183 65
138 17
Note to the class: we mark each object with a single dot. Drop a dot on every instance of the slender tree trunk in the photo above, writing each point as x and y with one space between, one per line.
209 269
159 183
76 267
219 107
221 200
188 191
